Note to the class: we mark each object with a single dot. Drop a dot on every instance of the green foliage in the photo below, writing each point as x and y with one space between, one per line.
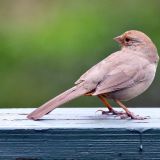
46 45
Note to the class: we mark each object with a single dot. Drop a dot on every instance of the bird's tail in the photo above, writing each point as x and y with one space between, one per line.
64 97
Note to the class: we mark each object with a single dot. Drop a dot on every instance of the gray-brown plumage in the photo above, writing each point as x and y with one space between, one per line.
121 76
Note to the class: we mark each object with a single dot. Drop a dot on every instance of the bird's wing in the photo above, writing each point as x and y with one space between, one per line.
100 68
120 70
123 76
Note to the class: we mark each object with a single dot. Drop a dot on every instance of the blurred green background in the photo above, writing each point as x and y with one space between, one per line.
45 45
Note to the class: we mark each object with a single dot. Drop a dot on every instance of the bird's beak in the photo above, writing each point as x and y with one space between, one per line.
118 39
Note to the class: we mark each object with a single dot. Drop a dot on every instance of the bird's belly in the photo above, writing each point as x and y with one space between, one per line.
129 93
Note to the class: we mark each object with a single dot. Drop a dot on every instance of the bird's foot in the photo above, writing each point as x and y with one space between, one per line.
133 116
111 112
123 115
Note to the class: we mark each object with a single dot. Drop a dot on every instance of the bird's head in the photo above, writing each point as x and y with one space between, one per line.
137 41
133 38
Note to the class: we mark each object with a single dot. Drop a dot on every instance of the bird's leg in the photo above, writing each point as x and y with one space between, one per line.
111 110
129 113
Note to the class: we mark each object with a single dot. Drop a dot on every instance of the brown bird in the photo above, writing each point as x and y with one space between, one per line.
121 76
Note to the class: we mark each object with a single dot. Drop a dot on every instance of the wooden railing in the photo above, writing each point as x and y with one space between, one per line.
79 133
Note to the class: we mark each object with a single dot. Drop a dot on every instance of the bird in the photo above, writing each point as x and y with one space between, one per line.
121 76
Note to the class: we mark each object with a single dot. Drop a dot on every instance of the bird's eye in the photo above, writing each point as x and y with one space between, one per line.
127 39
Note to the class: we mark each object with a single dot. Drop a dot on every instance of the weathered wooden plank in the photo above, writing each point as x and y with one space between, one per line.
79 133
77 118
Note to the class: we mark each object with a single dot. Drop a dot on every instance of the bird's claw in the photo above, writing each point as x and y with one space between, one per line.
134 117
113 112
123 115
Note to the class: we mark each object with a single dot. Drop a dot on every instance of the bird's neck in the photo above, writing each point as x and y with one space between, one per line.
150 53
